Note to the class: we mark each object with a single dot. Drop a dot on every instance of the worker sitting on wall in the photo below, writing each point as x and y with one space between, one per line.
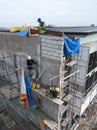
30 67
42 25
53 91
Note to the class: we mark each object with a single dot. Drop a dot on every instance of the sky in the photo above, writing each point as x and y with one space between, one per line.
53 12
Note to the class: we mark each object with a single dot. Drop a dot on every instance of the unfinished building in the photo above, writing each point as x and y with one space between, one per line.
76 79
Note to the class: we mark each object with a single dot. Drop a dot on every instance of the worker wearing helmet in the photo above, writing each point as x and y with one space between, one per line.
42 26
30 63
53 91
57 89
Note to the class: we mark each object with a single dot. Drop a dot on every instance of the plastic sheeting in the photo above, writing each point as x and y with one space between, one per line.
22 33
71 46
25 91
28 90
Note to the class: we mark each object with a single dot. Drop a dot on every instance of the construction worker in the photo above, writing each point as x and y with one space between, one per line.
53 91
72 119
42 25
30 63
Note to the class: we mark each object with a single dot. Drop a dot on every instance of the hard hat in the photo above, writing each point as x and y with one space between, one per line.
39 19
29 57
57 89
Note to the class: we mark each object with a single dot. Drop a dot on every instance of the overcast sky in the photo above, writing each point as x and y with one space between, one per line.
55 12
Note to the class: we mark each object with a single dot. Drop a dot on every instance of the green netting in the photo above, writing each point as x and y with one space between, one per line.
33 114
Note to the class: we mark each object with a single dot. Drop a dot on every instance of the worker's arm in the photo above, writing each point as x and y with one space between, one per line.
43 25
34 62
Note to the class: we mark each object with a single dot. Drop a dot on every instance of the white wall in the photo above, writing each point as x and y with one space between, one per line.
88 45
88 38
87 100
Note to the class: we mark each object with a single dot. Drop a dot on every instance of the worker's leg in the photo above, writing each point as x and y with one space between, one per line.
30 73
54 93
33 74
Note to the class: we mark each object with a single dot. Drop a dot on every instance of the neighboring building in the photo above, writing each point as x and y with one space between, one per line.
86 80
78 84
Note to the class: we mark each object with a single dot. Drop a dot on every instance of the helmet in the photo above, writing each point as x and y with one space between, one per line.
39 19
29 57
57 89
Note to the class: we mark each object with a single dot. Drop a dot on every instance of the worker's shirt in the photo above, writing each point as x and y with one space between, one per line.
30 64
42 28
52 91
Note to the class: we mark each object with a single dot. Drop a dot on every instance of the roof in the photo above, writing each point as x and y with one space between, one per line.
77 30
4 30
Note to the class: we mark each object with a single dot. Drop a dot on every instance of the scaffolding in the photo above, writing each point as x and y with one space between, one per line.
64 95
68 78
9 94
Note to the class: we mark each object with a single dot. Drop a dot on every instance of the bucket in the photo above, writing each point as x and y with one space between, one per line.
33 86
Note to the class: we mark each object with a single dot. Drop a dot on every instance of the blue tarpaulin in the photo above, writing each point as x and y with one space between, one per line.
71 46
22 33
28 89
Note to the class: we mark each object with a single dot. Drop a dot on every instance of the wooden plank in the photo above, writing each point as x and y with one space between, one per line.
40 74
65 83
58 75
67 98
42 93
90 73
57 101
71 63
74 127
50 123
71 74
64 123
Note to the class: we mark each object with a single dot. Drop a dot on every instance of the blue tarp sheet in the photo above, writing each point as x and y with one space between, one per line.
71 46
22 33
28 89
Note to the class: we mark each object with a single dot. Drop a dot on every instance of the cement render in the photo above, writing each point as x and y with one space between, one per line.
45 50
23 46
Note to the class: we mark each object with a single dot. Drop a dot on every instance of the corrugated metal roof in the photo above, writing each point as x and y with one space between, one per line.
84 30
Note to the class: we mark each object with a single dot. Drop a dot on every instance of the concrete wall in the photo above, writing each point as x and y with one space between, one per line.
21 46
82 64
46 51
76 101
85 38
88 38
51 52
88 99
47 106
79 101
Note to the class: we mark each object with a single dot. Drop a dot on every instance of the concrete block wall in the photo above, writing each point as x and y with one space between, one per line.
50 108
79 79
51 47
21 46
76 101
82 65
51 52
47 106
46 50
